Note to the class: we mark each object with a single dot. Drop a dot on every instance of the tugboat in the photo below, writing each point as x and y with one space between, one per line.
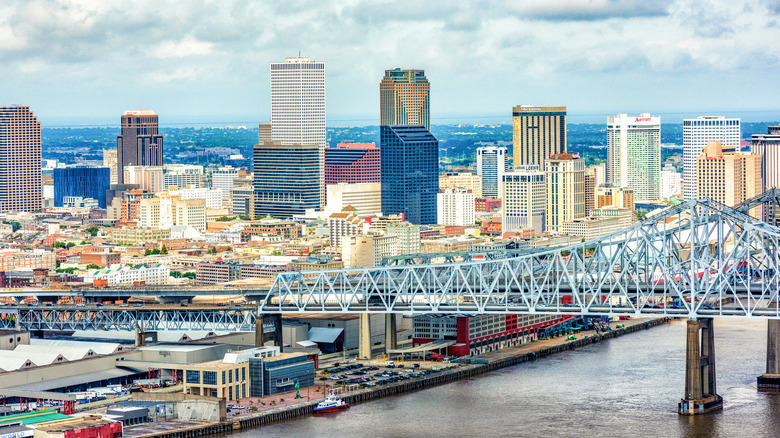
330 404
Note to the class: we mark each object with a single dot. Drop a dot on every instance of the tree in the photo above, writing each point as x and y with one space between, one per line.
164 250
93 230
190 275
93 266
70 245
14 225
175 274
148 252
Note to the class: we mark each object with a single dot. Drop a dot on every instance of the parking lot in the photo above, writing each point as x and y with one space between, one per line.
375 375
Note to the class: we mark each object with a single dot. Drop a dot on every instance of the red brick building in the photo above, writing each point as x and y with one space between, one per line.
487 204
352 163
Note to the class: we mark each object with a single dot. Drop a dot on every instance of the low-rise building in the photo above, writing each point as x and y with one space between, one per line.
217 272
14 260
218 379
367 250
590 227
131 236
118 275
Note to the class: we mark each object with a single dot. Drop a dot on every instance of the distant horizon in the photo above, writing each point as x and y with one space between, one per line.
214 121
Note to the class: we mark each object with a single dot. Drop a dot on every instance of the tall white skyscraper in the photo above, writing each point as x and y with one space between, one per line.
492 163
696 133
524 199
455 207
298 106
634 154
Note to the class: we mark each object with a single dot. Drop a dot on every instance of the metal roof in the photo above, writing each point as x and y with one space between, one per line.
69 353
98 347
34 417
436 345
324 334
79 379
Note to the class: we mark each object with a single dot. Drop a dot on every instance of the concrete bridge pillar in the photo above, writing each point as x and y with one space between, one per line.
278 338
770 380
701 394
391 338
259 334
364 339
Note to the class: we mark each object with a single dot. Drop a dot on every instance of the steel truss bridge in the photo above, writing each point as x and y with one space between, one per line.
699 259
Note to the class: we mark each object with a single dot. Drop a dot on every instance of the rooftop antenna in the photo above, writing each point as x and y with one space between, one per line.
299 53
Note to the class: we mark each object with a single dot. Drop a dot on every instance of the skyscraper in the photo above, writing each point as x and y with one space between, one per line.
564 176
492 163
20 160
139 144
109 160
768 146
634 154
524 196
298 108
696 133
352 163
410 172
537 132
728 177
86 182
404 98
285 178
455 207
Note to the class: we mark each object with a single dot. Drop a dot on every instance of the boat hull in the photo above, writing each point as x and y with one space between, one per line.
330 409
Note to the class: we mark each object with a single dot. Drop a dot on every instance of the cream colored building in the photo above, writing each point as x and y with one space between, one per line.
190 213
468 181
624 215
537 132
590 227
344 224
455 207
564 176
164 211
131 236
608 195
365 198
109 160
218 379
524 199
149 178
408 237
728 177
367 250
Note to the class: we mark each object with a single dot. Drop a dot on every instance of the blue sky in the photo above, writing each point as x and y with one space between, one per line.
89 61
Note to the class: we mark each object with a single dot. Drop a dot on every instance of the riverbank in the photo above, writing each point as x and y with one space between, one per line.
479 365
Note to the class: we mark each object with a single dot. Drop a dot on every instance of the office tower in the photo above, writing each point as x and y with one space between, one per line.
696 133
223 178
671 183
410 172
139 144
404 98
408 237
524 199
728 177
608 195
537 132
20 160
286 179
634 154
298 108
182 175
455 207
264 132
468 181
492 162
364 198
352 163
109 160
590 192
768 146
149 178
82 181
564 176
243 198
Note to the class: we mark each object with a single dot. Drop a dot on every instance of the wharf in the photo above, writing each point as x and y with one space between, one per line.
472 367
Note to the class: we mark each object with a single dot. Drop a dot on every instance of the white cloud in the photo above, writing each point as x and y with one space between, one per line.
186 47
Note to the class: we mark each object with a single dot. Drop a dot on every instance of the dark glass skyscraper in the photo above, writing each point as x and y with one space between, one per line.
410 172
87 182
286 178
140 144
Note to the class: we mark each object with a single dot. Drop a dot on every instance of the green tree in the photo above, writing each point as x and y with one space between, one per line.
175 274
164 250
14 225
70 245
190 275
93 266
93 230
148 252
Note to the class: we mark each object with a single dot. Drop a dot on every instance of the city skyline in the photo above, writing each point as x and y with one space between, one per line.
211 62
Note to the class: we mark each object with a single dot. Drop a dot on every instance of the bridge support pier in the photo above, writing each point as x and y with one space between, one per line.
770 380
364 338
278 339
700 391
259 334
391 337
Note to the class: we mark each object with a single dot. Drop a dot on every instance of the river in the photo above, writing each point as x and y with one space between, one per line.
629 386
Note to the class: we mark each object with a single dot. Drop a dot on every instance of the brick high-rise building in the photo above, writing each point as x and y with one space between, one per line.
352 163
140 143
537 132
728 177
696 133
404 98
21 188
564 176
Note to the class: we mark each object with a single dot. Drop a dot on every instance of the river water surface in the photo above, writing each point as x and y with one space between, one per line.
625 387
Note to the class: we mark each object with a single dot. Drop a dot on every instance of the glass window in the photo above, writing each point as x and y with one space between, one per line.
193 376
209 377
223 378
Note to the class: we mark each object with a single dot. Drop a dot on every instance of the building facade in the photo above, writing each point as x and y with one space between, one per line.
492 163
408 236
222 179
86 182
410 172
524 199
298 109
140 143
367 250
634 154
364 198
352 163
608 195
467 180
109 160
768 146
455 207
565 182
671 183
21 188
404 98
286 179
149 178
728 177
537 132
182 176
696 133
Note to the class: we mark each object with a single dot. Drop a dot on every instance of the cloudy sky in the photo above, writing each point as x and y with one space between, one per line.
205 60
